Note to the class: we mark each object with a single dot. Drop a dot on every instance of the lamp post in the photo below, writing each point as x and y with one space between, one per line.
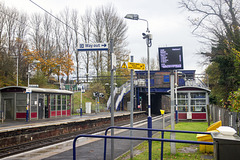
148 38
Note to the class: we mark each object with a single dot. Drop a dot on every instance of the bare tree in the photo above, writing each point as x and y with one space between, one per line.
86 29
3 18
214 19
11 26
21 44
218 22
98 37
35 34
67 38
153 63
114 28
75 24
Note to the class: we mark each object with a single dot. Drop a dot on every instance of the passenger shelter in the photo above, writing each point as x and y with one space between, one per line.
192 102
44 103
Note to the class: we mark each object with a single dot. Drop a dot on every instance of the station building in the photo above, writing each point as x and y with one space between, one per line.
192 93
43 103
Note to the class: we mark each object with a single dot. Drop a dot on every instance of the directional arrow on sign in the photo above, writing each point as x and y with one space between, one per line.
104 45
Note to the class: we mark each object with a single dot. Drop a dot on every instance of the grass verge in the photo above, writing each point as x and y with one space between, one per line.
184 151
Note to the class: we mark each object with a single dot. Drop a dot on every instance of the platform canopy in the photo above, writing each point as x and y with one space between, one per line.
34 90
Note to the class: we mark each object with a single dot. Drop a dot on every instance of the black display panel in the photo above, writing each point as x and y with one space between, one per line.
170 58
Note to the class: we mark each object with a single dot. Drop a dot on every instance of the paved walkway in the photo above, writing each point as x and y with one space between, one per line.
90 148
11 125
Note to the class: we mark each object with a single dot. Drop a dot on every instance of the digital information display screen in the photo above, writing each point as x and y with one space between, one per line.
170 58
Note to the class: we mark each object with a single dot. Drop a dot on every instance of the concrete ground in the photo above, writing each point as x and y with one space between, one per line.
89 148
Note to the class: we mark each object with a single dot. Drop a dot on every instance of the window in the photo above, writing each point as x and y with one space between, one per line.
33 102
182 102
182 95
68 102
166 79
198 95
63 102
59 102
198 102
21 102
53 102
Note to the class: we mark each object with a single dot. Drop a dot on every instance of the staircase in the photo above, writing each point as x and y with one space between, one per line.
119 93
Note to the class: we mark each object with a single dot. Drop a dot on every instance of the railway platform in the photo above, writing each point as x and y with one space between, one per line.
11 125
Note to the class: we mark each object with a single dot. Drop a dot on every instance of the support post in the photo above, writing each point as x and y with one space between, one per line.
112 101
149 102
81 103
27 108
131 114
17 70
176 85
172 135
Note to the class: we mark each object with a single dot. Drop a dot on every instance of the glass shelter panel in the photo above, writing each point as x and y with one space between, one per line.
198 102
34 102
63 102
198 95
182 102
59 102
53 102
68 102
21 102
182 95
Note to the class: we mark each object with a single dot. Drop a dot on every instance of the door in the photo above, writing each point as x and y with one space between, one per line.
8 108
40 108
47 106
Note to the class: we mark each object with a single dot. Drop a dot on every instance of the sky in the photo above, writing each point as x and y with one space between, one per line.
168 24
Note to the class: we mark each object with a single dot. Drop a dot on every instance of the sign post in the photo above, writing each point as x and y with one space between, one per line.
171 58
112 100
104 47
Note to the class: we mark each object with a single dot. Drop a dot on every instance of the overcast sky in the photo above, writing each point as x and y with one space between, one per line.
167 23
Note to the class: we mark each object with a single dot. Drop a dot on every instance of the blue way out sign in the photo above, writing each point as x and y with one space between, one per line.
93 47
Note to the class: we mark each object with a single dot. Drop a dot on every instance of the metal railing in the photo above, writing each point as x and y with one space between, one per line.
140 138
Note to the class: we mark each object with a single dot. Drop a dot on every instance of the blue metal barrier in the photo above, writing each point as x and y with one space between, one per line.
140 138
148 129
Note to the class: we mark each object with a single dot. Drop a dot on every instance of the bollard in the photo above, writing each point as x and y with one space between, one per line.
163 113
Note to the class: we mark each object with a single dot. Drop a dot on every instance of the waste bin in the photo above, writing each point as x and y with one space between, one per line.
226 146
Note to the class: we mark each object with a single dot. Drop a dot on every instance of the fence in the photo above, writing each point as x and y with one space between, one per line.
94 108
105 137
227 117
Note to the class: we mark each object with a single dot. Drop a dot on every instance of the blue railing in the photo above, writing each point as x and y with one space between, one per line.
140 138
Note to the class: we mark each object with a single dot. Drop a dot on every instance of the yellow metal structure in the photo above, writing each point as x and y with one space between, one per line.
214 126
208 138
